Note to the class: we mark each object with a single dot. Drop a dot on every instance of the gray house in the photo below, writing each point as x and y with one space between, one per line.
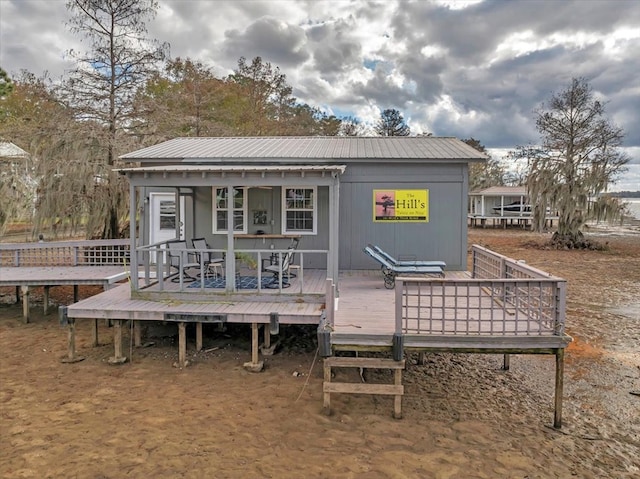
335 194
200 206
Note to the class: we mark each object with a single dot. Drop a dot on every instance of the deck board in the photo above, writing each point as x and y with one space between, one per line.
61 275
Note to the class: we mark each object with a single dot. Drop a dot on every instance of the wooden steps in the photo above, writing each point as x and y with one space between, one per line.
396 389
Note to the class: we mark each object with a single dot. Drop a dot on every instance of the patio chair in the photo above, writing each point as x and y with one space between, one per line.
212 266
281 270
390 271
182 260
396 262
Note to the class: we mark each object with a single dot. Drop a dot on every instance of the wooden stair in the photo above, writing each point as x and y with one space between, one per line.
396 389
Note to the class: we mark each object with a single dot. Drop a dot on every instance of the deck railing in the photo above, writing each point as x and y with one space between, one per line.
154 264
503 297
66 253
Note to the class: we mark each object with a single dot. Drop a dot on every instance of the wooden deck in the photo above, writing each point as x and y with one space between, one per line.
117 304
24 278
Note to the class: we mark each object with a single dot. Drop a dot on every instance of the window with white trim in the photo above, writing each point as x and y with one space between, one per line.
299 210
223 209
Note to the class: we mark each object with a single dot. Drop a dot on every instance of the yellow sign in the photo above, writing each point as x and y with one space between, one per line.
401 205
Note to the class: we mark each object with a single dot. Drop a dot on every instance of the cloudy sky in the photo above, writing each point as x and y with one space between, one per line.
453 68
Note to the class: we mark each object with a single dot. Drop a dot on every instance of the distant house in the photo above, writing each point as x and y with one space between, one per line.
499 201
501 205
17 188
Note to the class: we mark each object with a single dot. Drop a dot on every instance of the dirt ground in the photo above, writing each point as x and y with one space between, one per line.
463 416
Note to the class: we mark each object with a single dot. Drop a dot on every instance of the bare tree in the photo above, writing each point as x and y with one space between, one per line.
487 173
102 87
351 126
391 123
578 159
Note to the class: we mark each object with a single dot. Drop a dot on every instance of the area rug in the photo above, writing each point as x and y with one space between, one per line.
242 282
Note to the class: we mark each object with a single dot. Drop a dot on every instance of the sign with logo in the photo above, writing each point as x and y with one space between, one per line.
410 206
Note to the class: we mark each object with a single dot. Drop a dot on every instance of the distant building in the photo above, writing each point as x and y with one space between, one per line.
502 205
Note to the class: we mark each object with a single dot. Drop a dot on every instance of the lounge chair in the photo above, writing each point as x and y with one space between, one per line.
182 260
396 262
390 271
212 266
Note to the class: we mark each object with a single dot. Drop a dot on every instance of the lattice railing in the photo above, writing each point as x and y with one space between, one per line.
65 253
521 301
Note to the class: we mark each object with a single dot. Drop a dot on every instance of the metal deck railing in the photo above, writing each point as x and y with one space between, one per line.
503 297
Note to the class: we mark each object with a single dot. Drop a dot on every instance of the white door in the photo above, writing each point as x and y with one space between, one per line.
163 218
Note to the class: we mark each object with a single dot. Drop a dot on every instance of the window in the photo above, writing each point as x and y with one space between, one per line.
236 209
168 215
299 210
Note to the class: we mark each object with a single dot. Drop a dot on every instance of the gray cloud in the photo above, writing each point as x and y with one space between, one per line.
479 71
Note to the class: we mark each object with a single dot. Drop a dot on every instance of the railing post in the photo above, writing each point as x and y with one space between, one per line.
400 287
561 307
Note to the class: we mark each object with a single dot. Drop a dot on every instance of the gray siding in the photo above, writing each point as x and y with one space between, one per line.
442 238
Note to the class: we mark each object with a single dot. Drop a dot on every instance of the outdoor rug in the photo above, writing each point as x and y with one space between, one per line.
242 282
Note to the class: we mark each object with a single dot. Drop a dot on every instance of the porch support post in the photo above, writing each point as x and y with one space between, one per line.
133 234
230 265
334 229
557 415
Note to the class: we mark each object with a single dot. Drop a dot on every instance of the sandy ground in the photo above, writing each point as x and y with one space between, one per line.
463 416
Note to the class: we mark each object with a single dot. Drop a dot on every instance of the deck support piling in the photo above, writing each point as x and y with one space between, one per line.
94 333
267 338
137 334
198 336
71 336
45 300
255 366
557 414
117 358
182 344
506 362
25 303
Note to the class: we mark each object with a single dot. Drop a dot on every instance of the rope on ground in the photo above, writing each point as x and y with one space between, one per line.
304 386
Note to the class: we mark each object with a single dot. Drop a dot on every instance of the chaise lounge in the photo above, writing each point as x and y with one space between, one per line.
390 271
396 262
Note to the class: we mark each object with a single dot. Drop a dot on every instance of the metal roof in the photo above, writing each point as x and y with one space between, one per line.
309 149
9 150
231 168
502 191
